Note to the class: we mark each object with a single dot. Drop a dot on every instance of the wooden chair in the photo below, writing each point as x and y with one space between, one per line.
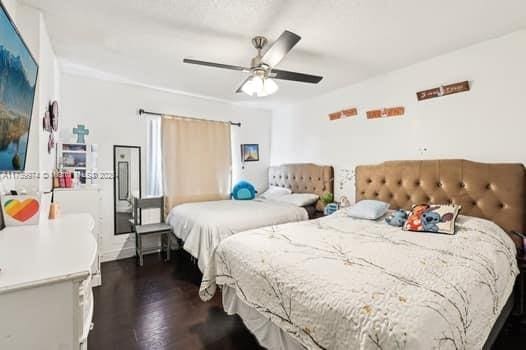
141 230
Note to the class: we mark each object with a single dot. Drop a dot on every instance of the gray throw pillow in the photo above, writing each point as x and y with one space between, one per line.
368 209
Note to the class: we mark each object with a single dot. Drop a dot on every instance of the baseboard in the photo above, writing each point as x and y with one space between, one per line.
96 280
128 249
124 253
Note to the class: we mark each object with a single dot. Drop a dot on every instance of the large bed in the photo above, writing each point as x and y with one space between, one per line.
203 225
342 283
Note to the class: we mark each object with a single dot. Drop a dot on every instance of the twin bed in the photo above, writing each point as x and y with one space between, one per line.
343 283
203 225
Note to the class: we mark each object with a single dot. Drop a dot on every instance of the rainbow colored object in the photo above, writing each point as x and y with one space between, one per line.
21 210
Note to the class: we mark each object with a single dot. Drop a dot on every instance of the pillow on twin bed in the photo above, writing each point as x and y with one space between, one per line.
274 192
432 218
368 209
299 199
243 190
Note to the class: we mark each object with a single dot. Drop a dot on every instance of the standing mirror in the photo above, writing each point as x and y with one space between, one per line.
126 185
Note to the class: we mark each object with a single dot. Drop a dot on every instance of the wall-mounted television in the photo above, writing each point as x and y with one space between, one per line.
18 76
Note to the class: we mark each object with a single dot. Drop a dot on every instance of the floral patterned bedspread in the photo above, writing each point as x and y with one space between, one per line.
342 283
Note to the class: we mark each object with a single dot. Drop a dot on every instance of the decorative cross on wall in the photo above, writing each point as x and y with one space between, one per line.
81 131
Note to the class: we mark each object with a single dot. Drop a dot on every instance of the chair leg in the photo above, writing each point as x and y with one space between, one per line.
168 245
163 244
140 250
136 245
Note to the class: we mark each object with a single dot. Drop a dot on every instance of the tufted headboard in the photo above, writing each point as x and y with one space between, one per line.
492 191
303 178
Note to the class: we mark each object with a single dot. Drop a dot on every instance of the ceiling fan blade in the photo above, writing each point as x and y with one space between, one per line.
279 49
216 65
241 85
294 76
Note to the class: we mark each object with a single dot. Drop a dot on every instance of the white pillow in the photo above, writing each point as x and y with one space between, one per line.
368 209
275 192
299 199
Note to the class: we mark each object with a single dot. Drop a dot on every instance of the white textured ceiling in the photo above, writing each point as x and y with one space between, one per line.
344 40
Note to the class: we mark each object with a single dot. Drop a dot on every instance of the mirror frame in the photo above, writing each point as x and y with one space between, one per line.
115 233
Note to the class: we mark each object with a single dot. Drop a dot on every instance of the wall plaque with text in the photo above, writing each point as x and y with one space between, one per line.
443 90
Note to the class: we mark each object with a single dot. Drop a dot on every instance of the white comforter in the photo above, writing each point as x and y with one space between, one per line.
342 283
202 226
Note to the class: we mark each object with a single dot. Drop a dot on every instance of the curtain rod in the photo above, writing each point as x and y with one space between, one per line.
142 111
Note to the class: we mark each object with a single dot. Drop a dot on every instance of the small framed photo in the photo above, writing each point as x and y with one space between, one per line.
250 152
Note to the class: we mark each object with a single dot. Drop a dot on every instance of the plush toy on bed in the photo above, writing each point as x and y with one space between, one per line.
398 218
243 190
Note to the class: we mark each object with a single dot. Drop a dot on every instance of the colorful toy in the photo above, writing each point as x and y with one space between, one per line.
414 222
424 218
243 190
430 219
330 208
398 218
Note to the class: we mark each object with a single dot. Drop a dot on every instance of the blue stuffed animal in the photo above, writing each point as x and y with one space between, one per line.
243 190
431 219
398 218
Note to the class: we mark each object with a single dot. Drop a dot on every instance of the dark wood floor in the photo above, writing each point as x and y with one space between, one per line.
157 307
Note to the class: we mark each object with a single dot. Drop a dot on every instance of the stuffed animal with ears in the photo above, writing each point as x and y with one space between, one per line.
424 218
243 190
431 218
398 218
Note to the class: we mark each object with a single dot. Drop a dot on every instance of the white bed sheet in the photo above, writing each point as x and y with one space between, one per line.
342 283
203 225
266 332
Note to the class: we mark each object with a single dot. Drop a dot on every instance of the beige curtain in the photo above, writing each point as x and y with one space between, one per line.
196 160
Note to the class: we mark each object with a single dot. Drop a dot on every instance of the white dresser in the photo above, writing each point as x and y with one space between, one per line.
84 200
45 284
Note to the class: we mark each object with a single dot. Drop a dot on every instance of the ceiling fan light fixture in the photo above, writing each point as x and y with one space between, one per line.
259 86
269 86
253 86
263 65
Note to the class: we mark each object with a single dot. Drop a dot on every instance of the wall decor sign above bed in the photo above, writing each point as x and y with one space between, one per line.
386 112
443 90
350 112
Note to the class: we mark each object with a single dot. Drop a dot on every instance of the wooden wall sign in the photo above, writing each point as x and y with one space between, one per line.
335 116
386 113
350 112
443 90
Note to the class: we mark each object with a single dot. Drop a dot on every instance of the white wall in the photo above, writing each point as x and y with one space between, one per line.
49 90
487 123
31 24
11 6
109 110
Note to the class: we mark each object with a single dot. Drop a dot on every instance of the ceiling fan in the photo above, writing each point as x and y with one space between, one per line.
260 82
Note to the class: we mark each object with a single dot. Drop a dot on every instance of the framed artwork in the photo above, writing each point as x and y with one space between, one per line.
19 71
250 152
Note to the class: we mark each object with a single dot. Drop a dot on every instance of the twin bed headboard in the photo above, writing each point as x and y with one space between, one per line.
492 191
303 178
